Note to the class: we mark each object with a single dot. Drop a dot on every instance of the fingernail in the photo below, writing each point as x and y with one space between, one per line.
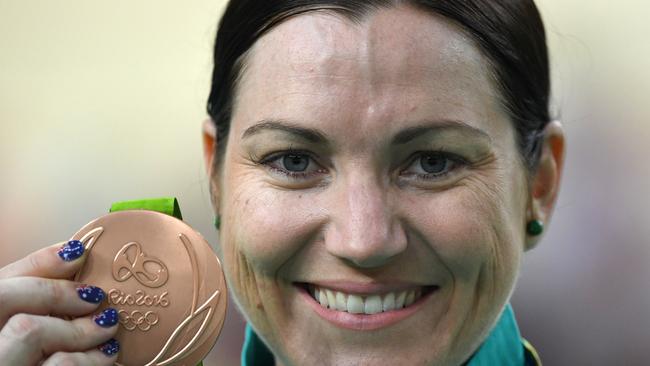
106 318
71 250
90 294
110 348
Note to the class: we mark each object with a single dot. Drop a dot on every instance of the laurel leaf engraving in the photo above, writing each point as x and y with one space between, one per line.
91 237
206 311
89 241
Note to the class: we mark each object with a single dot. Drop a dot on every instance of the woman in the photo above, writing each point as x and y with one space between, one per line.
378 169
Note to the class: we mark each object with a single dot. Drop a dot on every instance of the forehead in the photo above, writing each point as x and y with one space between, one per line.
396 65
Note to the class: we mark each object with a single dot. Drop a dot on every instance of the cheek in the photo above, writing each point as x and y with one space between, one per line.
472 229
493 210
270 225
263 228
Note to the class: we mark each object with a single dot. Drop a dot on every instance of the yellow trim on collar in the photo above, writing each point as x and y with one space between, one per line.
531 352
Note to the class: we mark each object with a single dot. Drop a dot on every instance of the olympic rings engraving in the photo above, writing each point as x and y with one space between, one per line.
137 319
125 268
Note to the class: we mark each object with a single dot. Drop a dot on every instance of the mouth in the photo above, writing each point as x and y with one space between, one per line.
364 309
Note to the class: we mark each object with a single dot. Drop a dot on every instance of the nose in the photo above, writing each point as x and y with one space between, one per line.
364 229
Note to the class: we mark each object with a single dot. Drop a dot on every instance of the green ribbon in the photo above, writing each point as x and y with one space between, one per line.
166 205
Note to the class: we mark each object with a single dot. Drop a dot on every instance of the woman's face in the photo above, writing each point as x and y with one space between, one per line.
370 167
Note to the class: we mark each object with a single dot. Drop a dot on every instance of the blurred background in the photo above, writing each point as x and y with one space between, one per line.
103 101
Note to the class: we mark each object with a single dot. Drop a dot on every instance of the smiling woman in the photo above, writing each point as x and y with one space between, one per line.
375 165
378 169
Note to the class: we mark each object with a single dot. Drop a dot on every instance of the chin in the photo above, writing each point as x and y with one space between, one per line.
422 331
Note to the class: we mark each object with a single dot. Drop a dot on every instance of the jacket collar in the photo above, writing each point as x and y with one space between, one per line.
503 346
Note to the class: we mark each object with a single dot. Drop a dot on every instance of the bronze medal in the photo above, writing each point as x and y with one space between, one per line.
165 282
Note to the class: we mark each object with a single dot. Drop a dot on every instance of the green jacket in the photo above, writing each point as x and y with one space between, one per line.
503 347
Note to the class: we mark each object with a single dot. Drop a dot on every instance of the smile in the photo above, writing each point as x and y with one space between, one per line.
361 308
369 304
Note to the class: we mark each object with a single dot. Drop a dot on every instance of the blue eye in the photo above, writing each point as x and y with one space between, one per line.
433 165
295 162
297 165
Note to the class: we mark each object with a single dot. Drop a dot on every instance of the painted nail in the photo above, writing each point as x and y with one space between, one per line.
90 294
71 250
110 348
106 318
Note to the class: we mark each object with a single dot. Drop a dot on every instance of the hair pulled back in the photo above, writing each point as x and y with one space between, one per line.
510 34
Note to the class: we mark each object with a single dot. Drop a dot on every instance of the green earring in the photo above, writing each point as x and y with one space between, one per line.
535 227
217 222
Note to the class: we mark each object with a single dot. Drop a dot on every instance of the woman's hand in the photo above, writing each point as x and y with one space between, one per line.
35 295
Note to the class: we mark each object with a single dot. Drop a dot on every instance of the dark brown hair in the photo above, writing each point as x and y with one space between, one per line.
510 33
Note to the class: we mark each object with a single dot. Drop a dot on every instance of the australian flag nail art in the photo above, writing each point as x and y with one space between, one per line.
110 348
71 250
106 318
90 294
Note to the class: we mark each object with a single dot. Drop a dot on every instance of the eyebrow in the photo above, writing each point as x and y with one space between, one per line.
309 134
402 137
411 133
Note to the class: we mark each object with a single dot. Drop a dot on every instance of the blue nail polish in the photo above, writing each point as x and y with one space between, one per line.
90 294
110 348
106 318
71 250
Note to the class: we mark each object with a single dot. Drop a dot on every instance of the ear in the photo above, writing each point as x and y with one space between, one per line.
545 184
209 154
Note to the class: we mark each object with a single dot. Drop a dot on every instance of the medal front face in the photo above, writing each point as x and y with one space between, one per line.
165 282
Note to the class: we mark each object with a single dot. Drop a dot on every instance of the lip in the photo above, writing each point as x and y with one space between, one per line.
364 322
367 288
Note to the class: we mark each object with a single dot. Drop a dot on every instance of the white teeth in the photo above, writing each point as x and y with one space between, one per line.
371 304
410 297
355 304
341 302
322 298
399 301
389 302
331 299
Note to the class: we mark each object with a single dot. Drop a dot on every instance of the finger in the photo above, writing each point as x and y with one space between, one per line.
106 355
57 261
27 338
41 296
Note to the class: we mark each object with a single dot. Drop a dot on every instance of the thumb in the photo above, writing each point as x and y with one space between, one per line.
59 261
